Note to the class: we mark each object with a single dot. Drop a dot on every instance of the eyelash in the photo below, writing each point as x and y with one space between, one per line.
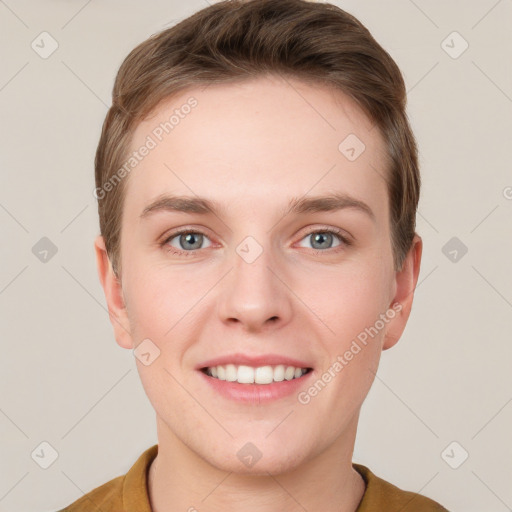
334 231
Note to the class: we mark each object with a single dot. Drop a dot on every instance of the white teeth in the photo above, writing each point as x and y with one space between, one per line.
279 373
289 373
231 372
245 375
261 375
265 375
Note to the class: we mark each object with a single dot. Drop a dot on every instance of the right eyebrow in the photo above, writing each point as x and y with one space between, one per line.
184 204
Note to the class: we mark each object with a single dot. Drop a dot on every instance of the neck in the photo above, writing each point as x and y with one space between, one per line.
181 480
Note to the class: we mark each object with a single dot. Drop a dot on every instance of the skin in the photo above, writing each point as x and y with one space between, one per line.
252 146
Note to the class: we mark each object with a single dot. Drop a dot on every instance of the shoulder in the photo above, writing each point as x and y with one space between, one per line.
126 493
107 498
383 496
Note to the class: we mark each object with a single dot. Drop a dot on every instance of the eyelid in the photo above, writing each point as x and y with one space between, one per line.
167 237
331 229
345 238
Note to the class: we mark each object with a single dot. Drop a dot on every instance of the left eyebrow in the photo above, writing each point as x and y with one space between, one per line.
298 206
329 203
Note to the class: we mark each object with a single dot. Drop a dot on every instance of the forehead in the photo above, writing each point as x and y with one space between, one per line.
258 139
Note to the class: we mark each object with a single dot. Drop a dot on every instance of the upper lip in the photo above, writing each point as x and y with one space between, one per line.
254 361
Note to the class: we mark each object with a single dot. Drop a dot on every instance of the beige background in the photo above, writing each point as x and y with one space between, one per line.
65 381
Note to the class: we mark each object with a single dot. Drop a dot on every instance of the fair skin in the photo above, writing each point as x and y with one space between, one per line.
252 147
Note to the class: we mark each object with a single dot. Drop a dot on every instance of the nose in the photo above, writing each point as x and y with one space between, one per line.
254 294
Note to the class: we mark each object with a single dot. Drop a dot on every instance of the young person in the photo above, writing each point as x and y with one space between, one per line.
257 183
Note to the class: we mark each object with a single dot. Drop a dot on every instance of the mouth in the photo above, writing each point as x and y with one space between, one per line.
263 375
255 379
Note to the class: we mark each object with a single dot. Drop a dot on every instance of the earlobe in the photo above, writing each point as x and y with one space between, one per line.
405 284
113 294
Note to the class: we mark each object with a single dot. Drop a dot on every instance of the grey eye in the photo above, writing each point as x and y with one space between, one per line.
322 240
189 240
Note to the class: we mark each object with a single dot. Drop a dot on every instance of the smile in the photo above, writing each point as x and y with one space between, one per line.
260 375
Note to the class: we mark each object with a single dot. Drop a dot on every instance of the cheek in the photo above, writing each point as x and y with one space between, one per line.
350 300
169 307
158 297
350 304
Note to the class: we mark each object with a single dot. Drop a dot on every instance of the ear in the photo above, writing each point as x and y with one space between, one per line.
405 283
114 295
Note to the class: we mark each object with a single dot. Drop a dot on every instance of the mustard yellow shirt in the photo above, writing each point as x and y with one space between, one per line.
129 493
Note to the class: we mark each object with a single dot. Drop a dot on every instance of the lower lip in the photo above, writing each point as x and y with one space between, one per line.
257 393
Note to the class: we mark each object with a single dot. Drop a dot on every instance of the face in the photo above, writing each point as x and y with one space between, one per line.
255 234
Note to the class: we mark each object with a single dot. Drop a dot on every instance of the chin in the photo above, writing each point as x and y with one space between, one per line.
258 458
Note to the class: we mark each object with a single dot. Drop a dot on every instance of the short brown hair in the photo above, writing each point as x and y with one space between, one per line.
239 39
